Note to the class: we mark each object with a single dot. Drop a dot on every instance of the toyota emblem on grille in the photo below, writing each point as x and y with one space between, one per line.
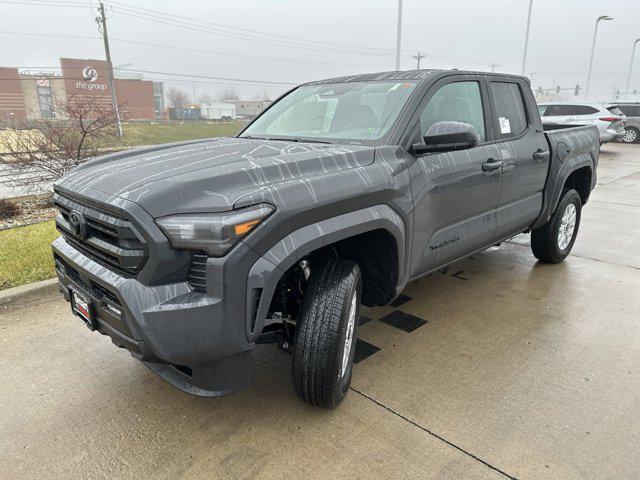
78 225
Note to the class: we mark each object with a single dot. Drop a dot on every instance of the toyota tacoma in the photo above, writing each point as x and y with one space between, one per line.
340 193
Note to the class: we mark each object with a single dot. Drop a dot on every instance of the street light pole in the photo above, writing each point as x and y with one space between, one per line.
593 49
526 39
633 52
399 32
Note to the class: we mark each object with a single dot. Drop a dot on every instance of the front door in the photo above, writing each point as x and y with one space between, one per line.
454 198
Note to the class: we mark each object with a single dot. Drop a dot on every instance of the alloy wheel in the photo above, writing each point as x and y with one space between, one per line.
567 226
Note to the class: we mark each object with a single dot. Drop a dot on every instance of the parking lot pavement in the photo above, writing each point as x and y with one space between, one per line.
498 367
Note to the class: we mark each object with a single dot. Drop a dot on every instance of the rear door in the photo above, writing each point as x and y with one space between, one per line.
586 115
454 199
524 152
559 114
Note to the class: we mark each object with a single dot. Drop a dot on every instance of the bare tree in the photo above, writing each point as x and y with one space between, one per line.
261 96
205 98
228 95
177 98
42 151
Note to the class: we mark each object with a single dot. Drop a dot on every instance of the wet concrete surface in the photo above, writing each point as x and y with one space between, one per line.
522 370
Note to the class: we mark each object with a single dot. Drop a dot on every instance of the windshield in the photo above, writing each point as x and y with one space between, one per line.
335 111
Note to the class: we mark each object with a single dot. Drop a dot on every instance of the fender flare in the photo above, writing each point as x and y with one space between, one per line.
267 271
553 190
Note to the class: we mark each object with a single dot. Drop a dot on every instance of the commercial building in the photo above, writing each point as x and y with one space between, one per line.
249 108
27 95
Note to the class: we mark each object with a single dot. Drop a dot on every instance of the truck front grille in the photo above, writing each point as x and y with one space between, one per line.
106 237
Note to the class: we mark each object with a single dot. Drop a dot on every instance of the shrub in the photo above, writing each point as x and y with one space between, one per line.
9 209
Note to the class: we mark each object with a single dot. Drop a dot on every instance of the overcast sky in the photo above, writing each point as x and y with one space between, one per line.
338 37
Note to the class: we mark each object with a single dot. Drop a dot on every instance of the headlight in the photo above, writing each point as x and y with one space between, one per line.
215 233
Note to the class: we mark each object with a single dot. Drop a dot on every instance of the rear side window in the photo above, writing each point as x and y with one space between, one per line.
585 110
560 110
630 110
457 102
511 116
615 111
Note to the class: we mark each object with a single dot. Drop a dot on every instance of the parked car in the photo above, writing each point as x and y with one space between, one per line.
337 195
610 121
631 111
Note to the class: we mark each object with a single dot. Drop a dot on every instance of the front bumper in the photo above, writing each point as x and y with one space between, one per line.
196 341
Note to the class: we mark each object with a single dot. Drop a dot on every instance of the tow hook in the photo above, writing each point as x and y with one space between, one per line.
306 269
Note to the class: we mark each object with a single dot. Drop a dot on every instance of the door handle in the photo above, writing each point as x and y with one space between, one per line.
490 165
540 154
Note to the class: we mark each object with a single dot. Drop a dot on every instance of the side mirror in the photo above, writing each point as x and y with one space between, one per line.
447 136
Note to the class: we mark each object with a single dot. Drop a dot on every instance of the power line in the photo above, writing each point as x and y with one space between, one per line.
46 4
419 57
187 49
211 31
261 82
171 74
251 31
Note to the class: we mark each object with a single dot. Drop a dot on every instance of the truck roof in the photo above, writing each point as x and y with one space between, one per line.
405 75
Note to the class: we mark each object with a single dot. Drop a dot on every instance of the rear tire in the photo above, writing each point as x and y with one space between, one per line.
324 344
553 242
631 135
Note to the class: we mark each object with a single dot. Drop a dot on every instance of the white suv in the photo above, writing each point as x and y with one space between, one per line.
610 121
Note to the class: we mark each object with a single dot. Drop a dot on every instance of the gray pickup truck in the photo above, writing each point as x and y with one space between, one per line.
341 192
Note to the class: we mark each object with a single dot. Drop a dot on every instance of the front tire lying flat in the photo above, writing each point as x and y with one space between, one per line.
325 338
553 242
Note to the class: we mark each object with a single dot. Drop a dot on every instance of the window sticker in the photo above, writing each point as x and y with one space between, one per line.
505 127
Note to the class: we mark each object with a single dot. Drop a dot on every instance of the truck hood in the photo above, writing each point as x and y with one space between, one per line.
207 176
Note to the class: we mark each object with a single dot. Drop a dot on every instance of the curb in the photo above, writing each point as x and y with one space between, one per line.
28 292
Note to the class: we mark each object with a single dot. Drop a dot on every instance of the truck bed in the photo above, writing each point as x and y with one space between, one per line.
571 147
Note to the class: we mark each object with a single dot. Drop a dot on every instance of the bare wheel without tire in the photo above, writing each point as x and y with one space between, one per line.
552 242
324 344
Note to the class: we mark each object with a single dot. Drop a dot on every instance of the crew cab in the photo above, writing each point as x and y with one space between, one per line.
339 194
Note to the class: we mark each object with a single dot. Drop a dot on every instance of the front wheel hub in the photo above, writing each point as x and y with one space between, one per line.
567 226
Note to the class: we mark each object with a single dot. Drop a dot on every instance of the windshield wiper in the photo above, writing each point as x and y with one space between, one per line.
300 140
251 137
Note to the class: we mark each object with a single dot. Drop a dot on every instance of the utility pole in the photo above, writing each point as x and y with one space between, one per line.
399 33
526 38
103 21
419 57
194 93
493 66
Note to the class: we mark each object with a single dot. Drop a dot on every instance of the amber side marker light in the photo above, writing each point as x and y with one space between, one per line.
244 228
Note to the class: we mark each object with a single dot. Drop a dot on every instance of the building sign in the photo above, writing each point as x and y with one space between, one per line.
90 76
85 77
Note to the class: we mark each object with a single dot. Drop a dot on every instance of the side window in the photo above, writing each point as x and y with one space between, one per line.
631 110
585 110
570 110
457 102
542 109
511 116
